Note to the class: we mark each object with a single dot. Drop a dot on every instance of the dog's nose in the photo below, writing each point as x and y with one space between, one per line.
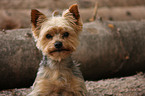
58 44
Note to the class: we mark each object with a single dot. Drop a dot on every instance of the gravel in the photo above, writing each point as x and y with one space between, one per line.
124 86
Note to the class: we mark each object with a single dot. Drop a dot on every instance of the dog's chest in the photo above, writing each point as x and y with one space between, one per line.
58 80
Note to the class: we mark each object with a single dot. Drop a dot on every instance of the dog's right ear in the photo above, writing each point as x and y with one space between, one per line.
37 18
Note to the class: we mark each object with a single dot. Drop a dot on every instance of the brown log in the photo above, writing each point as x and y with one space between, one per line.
19 58
107 49
112 49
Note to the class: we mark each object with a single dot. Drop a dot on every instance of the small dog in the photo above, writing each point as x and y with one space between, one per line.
57 37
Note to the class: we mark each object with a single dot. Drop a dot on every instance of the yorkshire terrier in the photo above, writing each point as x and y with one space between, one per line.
57 37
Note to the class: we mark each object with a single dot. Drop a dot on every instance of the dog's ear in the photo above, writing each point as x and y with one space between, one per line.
37 18
75 12
73 16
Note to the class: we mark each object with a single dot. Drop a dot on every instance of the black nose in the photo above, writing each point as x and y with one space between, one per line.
58 44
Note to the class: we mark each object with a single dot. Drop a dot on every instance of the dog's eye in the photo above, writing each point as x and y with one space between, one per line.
48 36
66 34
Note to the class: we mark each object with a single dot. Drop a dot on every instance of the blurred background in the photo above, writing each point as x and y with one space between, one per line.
16 13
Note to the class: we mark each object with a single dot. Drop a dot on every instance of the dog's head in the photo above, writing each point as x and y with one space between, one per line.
57 36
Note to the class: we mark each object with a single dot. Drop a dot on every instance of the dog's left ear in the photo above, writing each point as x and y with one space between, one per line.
73 16
75 12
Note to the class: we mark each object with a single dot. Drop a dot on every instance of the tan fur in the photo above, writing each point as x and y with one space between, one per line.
58 75
60 81
57 32
56 25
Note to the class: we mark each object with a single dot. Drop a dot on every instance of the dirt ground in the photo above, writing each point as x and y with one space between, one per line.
124 86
